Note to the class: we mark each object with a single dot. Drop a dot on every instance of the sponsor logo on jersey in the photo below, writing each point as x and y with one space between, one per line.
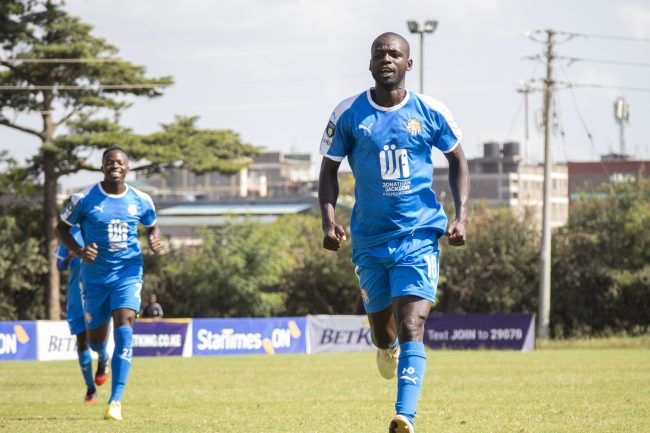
118 233
394 163
413 126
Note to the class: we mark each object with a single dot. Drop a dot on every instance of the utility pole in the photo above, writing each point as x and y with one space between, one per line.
545 271
428 27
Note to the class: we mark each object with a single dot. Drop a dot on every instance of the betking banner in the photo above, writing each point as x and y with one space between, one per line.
481 331
249 336
56 343
17 341
160 338
339 334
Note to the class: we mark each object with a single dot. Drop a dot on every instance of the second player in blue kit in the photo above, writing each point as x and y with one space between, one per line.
108 214
387 133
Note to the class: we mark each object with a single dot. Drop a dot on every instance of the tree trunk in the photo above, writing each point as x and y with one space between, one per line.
50 186
53 297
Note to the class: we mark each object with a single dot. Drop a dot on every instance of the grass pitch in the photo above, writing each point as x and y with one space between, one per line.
556 389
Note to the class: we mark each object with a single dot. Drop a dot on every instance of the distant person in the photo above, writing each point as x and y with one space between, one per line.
76 323
108 213
388 133
153 310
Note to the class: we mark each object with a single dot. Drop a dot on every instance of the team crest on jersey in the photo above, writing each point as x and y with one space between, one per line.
132 209
331 129
413 126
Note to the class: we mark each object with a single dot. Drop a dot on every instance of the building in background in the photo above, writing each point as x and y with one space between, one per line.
500 178
272 174
587 178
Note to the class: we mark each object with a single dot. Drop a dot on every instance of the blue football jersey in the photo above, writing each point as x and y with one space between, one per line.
74 264
110 221
389 150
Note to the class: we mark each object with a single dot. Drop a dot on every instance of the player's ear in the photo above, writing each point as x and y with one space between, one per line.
409 65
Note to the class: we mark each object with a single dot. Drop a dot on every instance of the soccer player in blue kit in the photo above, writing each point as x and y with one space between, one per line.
387 133
75 316
108 214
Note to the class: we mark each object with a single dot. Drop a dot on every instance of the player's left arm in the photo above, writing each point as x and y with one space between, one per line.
459 184
153 239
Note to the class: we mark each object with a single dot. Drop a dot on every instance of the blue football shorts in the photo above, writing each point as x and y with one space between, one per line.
406 266
100 300
75 311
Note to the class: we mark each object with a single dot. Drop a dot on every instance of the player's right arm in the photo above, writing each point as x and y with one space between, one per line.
328 193
71 215
88 253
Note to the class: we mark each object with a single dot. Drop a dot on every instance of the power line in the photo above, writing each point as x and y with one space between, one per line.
612 37
89 60
609 62
87 87
570 85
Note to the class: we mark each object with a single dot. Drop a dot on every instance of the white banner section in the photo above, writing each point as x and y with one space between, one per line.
56 343
338 334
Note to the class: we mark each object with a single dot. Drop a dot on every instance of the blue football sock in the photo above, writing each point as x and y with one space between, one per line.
121 362
395 344
410 374
86 364
100 348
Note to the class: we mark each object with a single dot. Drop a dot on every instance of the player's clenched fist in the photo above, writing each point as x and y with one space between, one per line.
88 253
154 243
334 234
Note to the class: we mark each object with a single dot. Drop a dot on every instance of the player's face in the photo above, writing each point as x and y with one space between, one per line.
389 61
115 166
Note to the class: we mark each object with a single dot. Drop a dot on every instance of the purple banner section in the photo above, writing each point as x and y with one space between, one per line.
481 331
17 341
159 338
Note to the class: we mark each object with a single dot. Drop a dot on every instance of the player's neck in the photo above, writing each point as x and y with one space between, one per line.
388 97
113 187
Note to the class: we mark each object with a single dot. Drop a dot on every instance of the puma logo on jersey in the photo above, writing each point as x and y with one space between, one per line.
367 128
99 208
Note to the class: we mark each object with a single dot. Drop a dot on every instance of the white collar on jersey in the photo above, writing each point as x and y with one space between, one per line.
394 107
113 195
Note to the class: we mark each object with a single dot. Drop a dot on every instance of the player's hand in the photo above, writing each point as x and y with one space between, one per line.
88 254
334 234
456 233
154 243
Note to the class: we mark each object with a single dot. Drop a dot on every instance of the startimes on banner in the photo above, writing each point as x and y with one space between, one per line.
17 341
249 336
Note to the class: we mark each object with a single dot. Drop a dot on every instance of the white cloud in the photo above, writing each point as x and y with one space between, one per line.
637 17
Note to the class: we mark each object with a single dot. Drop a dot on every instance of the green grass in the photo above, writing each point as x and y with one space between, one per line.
559 390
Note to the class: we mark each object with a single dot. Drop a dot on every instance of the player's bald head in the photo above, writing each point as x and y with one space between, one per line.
388 37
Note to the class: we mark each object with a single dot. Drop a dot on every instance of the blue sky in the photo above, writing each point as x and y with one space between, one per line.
273 70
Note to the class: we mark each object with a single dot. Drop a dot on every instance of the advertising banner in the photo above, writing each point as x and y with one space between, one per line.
56 343
339 334
17 341
249 336
481 331
160 338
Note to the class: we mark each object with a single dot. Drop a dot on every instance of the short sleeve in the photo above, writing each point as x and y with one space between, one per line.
447 134
73 209
336 139
148 217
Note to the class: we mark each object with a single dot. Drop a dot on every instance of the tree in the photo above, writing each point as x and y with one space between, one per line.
44 31
54 64
495 271
601 268
23 268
